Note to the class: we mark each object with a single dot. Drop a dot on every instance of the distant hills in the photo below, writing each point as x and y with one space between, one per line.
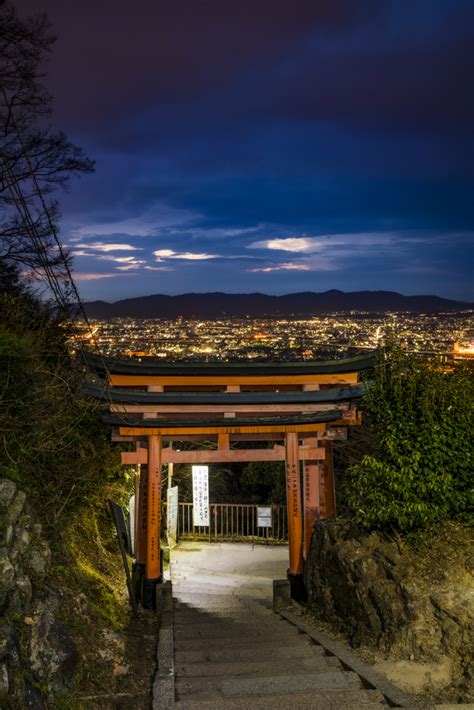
217 305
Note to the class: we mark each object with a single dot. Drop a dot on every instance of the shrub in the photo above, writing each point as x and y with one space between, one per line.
52 441
418 472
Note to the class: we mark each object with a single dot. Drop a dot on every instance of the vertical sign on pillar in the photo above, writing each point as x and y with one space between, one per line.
311 496
295 518
153 566
140 541
329 481
200 495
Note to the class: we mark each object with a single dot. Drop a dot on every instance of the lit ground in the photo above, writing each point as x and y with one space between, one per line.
246 568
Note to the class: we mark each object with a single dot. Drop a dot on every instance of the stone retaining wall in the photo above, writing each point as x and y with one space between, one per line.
370 588
37 658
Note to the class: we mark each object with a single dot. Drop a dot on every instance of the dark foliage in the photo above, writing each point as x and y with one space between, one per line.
412 461
52 442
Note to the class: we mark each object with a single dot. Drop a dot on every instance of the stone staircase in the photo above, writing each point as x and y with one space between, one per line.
232 651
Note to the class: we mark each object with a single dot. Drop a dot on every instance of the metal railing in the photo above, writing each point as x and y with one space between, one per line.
233 521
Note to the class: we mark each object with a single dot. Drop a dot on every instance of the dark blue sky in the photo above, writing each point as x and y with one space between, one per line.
268 145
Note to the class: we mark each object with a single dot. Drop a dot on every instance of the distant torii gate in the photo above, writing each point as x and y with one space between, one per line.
299 407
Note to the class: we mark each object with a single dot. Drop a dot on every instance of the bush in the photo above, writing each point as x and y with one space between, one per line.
52 441
418 418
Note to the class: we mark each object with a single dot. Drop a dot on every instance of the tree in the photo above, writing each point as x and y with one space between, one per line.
34 160
418 469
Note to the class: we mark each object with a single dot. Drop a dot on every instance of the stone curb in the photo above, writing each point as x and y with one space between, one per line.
396 697
163 686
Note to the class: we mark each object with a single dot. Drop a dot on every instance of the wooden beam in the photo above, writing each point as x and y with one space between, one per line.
254 409
223 442
347 378
328 479
153 552
295 517
228 428
140 528
168 455
311 475
333 434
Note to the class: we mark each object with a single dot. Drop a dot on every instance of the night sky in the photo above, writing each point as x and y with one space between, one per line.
265 145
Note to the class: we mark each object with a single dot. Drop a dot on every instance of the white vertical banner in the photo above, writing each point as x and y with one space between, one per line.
200 495
172 516
133 522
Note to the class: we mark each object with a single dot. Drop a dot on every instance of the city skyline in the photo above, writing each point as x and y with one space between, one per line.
257 148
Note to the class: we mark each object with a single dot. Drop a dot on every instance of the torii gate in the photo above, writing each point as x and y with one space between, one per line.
299 407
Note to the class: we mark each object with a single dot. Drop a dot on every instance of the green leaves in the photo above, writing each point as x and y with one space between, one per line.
52 442
420 470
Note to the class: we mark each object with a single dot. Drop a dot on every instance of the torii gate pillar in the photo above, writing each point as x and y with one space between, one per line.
295 518
153 567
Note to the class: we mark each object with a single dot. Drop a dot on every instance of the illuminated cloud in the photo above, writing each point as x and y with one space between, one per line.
164 253
92 276
127 262
282 267
187 255
101 246
158 268
310 245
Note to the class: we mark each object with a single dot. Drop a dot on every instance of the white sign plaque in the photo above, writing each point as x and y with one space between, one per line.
264 516
200 495
172 516
131 510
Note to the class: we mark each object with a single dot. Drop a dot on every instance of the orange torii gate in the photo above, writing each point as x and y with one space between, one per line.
300 408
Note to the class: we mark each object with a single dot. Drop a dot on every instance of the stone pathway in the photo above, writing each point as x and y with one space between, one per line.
231 651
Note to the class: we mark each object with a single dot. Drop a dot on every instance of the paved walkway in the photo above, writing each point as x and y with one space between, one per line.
231 651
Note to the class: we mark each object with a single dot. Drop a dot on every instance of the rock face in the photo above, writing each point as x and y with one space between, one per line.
35 650
373 591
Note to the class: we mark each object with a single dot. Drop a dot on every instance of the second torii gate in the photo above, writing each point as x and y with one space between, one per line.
296 408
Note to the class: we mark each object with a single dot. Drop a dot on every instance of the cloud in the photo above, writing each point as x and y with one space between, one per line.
310 245
92 276
189 256
100 246
282 267
127 262
158 268
159 216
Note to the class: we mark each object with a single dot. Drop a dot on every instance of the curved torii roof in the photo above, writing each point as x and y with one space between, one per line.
148 366
123 420
129 396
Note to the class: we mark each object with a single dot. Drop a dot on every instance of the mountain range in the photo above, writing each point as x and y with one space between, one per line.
218 305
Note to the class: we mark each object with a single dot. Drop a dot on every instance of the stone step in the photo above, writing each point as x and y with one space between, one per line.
237 592
264 684
190 618
259 642
215 607
198 600
186 615
216 629
268 651
260 666
322 700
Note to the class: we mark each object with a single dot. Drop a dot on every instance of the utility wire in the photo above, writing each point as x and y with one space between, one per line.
21 204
